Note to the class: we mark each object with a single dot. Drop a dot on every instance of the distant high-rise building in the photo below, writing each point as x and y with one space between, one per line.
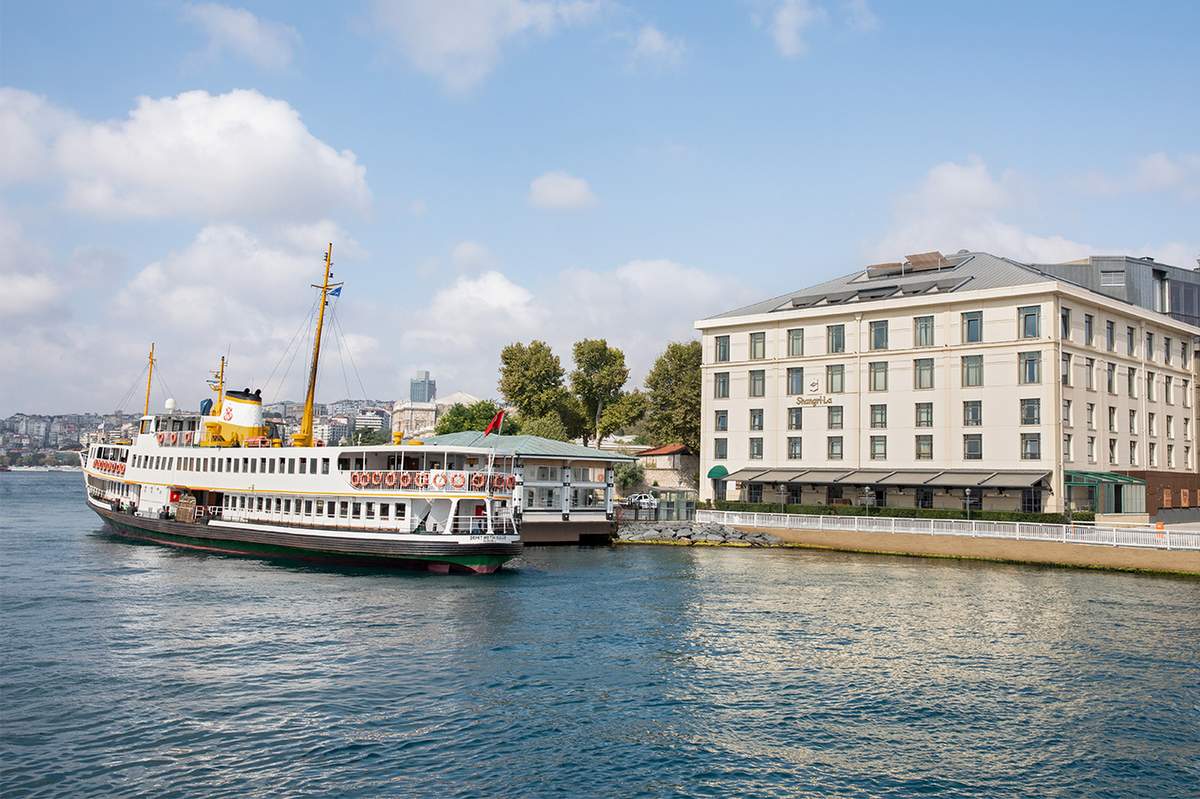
422 388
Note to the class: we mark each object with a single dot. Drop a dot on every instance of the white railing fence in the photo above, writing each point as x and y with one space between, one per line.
1147 537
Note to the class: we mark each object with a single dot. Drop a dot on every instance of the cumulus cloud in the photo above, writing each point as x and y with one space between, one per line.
238 31
789 24
460 41
29 124
239 154
860 16
559 190
471 256
652 46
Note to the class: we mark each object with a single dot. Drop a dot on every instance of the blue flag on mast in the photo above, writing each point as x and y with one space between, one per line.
337 292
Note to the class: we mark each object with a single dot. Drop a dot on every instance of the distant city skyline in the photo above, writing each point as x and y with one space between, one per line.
490 173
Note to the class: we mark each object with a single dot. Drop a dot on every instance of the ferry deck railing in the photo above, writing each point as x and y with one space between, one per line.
1144 537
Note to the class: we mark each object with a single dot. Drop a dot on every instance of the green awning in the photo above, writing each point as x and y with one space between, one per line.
718 472
1095 478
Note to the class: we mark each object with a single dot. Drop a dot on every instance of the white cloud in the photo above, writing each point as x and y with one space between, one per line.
211 156
789 23
1160 172
559 190
469 256
860 16
29 123
236 30
460 41
28 286
653 46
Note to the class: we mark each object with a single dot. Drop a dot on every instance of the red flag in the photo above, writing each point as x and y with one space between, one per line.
494 425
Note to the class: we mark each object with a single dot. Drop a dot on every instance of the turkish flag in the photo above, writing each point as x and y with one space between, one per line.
494 425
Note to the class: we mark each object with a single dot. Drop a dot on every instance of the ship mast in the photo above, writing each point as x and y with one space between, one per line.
149 377
305 437
220 387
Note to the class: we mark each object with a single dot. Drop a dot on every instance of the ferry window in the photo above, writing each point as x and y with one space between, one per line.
262 465
329 509
253 466
170 464
242 503
278 504
344 509
308 507
324 465
237 466
287 506
145 425
259 503
384 509
312 466
320 508
304 466
291 463
271 466
219 464
370 510
399 510
355 509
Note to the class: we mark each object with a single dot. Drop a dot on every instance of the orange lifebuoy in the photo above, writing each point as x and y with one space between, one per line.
187 438
355 479
376 478
478 480
405 479
458 480
438 480
389 479
174 439
162 437
421 479
510 482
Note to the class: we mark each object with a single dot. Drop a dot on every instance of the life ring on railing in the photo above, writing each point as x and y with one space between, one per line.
458 480
187 438
161 438
510 481
438 480
405 479
174 439
478 480
376 478
421 479
389 479
319 443
355 480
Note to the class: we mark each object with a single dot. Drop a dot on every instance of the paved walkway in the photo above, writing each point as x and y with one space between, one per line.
1045 552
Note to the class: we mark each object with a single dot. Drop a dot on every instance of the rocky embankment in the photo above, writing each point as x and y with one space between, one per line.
691 533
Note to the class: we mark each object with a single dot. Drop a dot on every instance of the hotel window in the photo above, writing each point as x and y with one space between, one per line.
923 368
878 448
795 340
1112 420
1089 368
720 449
1170 426
1168 390
1133 453
924 414
1031 368
1149 346
1130 344
1187 429
1112 450
878 416
972 370
1150 386
1031 500
1170 456
795 418
835 338
1110 335
878 375
1031 411
1089 329
833 448
1131 382
972 327
1064 316
835 417
758 346
923 326
721 422
1067 447
795 450
1066 412
1184 387
795 380
924 448
1110 378
973 447
1151 420
1066 368
754 492
756 449
1091 449
973 413
1031 446
721 385
758 383
722 349
835 379
1091 416
1167 349
756 419
879 335
1030 317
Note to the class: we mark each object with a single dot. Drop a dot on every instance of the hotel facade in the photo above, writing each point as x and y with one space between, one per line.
947 381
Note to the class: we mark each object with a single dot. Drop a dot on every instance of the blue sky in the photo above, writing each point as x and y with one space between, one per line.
492 171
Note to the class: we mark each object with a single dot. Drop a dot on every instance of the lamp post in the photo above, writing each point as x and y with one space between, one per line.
866 495
968 493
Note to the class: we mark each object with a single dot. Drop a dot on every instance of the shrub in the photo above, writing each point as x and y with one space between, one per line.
900 513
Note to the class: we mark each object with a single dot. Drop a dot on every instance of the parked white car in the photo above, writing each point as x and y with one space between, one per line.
642 501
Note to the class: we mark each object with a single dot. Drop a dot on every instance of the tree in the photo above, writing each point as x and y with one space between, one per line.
531 378
628 475
673 396
367 438
619 416
548 426
599 376
476 416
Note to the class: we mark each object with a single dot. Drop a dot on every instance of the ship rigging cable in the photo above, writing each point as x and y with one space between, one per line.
305 324
128 395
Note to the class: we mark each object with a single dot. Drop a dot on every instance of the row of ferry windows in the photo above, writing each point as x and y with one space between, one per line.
1029 326
233 465
316 508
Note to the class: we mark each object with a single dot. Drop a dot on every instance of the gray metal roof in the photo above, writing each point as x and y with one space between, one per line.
525 446
974 271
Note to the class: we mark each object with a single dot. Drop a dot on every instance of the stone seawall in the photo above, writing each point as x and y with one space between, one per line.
691 533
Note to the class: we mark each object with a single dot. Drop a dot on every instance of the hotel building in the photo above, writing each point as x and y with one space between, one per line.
942 381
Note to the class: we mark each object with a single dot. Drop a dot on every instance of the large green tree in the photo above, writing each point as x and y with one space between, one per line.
622 415
548 426
367 437
673 396
531 378
600 374
476 416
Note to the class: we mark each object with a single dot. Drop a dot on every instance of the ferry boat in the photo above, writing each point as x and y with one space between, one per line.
223 480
